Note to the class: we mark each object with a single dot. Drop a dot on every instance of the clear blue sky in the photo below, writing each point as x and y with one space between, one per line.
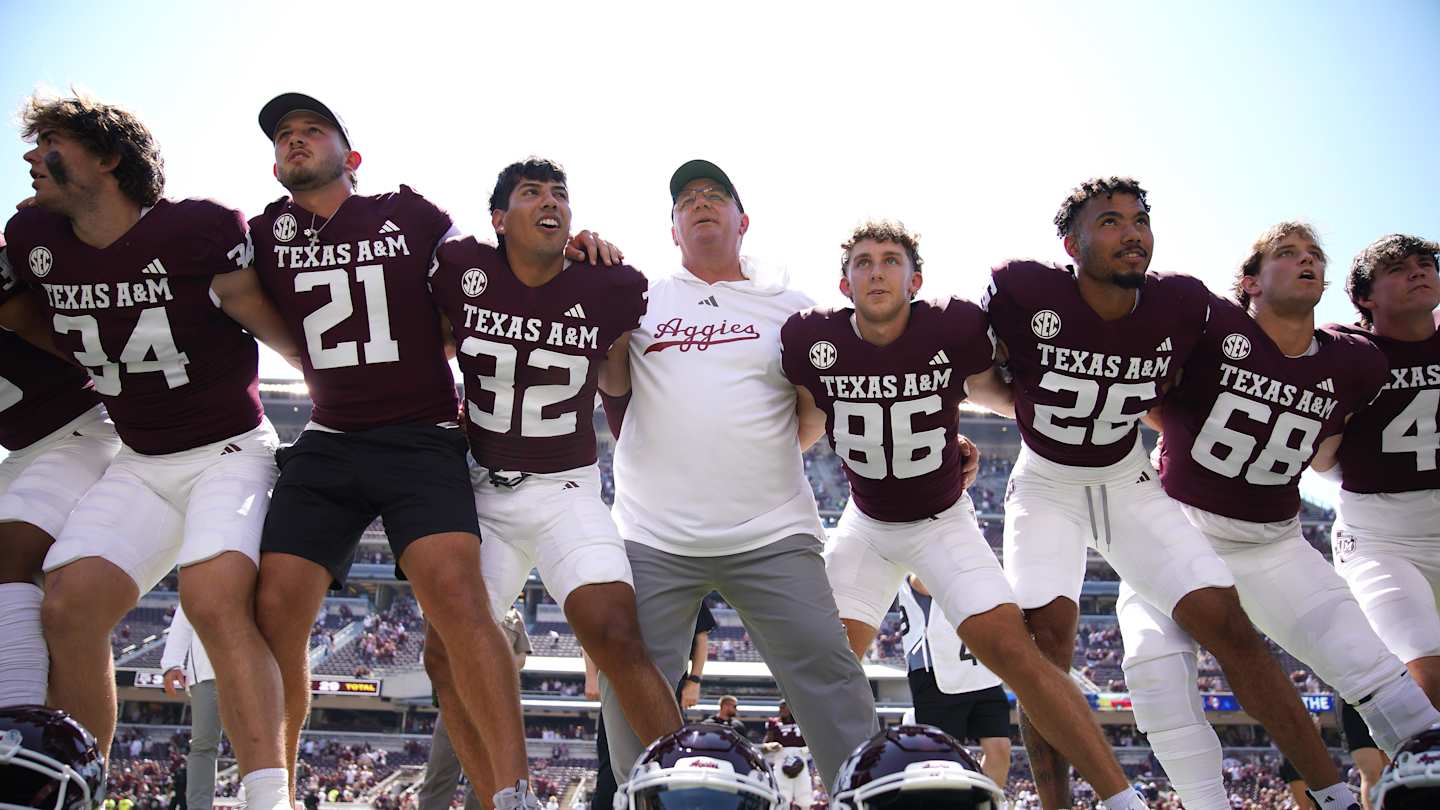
969 125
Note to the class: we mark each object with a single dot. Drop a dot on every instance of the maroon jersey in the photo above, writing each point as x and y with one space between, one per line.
1082 382
531 355
1392 444
373 350
891 411
39 393
174 371
1245 420
785 732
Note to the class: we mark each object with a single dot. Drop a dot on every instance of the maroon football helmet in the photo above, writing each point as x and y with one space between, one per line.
700 767
792 766
48 760
914 767
1412 779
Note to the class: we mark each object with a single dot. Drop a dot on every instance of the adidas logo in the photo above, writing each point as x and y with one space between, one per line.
1165 346
1326 384
576 311
230 448
1144 476
154 268
570 485
389 227
940 359
709 302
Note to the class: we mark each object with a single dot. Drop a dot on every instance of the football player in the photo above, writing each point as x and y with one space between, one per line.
1262 394
59 442
885 379
536 337
156 299
1092 349
1385 541
349 274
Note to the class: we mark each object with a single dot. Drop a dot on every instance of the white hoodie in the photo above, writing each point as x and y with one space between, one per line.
708 461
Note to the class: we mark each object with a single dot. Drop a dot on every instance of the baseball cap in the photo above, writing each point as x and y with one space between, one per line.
696 169
282 105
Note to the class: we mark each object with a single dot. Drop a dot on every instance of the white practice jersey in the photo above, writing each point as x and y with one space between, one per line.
932 643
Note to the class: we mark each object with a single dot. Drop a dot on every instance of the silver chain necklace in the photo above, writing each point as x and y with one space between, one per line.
313 233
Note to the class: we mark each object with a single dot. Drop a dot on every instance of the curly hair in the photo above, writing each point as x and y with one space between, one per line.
882 230
1387 250
1267 241
1089 190
537 169
105 130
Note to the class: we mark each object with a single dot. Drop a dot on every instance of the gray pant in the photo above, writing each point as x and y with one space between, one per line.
784 599
205 731
442 774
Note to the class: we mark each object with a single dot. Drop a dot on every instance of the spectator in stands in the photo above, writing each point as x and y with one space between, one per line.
187 667
442 771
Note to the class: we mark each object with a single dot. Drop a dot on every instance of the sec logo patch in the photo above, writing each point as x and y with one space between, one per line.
285 228
1045 324
41 261
823 354
1235 346
474 282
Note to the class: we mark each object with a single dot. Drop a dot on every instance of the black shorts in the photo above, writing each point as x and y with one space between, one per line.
332 485
966 716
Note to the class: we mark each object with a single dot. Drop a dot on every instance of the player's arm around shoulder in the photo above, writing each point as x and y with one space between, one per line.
632 296
976 342
242 298
793 340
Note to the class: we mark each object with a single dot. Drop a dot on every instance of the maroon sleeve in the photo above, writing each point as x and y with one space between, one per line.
220 241
10 284
615 410
1374 372
437 220
792 349
969 335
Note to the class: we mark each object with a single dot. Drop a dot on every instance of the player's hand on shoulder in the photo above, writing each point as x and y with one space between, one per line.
587 246
970 468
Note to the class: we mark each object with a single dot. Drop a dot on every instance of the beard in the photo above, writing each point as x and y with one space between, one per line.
1128 280
1120 276
307 178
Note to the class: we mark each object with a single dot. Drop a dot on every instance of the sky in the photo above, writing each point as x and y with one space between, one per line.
968 122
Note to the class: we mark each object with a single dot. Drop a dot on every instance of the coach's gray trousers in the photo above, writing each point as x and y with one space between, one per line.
784 599
442 774
205 731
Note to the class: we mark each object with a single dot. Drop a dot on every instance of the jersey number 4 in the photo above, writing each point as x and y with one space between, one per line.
535 399
1413 431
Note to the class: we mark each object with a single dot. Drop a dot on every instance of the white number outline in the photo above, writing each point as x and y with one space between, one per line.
1260 471
1108 426
1420 413
501 384
380 348
151 334
869 443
